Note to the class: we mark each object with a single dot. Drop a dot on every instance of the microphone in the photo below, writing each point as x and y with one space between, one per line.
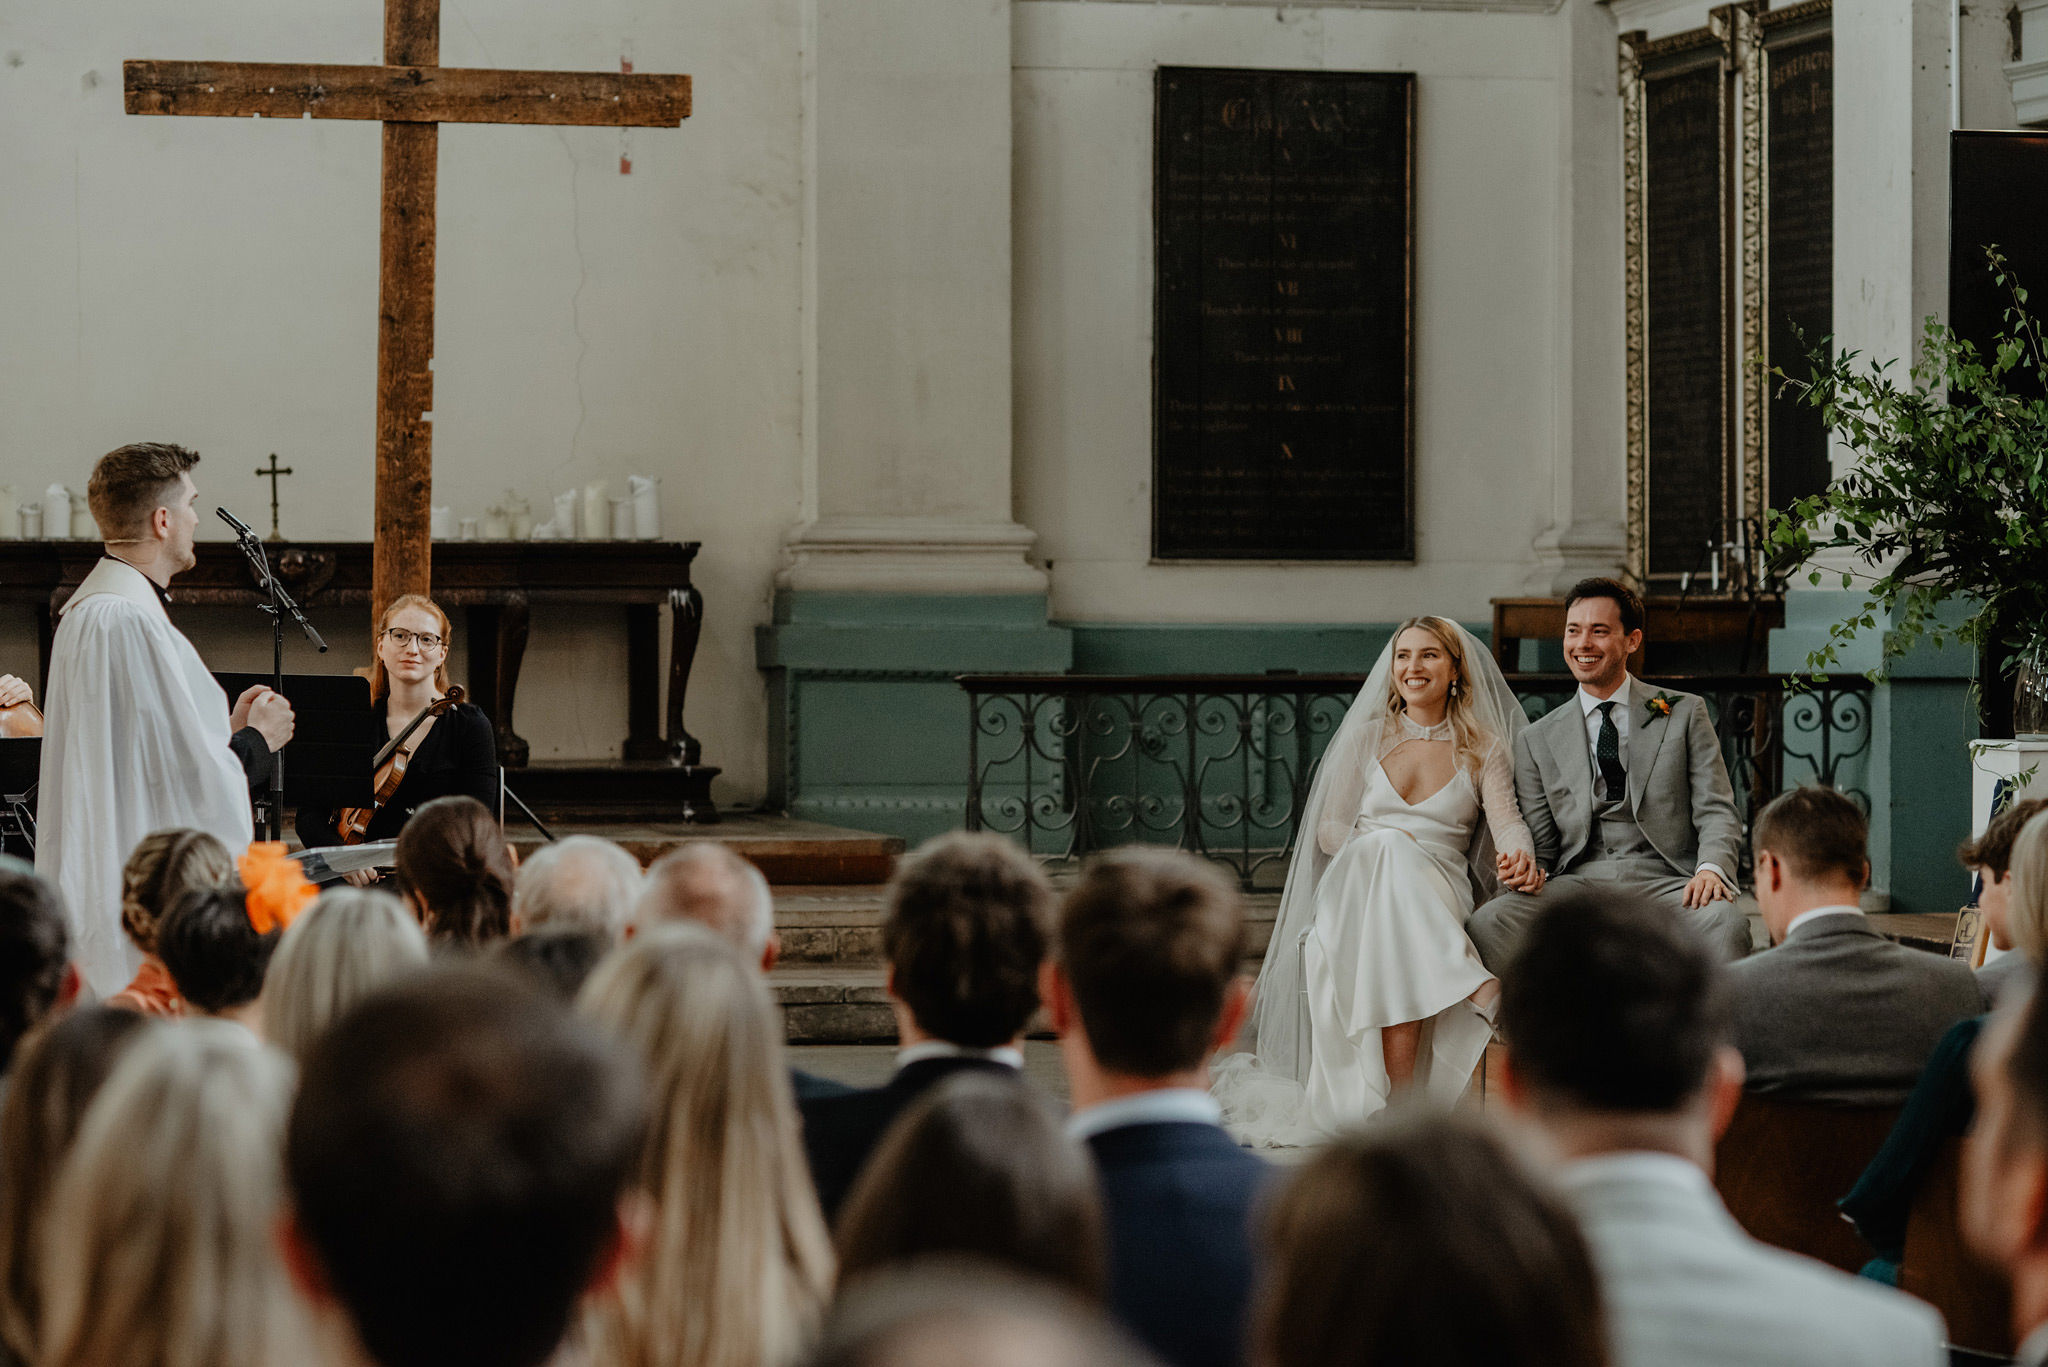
243 531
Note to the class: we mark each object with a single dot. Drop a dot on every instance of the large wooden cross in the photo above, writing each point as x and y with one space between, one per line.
413 95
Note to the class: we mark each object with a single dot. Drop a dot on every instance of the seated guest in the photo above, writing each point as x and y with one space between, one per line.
977 1167
411 1096
2003 1189
559 959
964 936
453 753
1836 1012
1146 985
579 880
62 1067
35 979
1472 1262
455 871
157 1247
737 1267
346 945
215 954
967 1314
707 883
2015 906
1617 1025
163 868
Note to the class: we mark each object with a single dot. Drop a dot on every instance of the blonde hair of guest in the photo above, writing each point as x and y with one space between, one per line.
157 1244
738 1267
2027 907
349 943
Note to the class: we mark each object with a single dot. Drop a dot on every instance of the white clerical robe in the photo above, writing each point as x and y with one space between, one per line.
135 740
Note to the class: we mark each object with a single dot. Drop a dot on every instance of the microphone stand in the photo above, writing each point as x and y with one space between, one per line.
280 603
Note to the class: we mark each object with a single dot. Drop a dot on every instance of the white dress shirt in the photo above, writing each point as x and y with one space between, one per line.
1590 706
938 1048
1167 1105
1803 917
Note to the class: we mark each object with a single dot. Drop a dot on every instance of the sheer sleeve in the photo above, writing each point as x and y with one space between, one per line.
1345 762
1497 796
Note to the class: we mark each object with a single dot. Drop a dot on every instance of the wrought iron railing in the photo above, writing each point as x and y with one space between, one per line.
1220 764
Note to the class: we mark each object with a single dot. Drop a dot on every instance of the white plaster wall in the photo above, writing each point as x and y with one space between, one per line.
1491 380
213 282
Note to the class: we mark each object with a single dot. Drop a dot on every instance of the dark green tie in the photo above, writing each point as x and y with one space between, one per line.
1609 755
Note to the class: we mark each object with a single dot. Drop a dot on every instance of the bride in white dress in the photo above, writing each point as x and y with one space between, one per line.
1370 985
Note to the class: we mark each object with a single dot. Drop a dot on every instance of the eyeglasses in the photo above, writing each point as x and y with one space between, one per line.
402 638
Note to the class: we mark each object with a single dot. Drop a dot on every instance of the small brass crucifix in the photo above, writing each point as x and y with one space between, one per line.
272 474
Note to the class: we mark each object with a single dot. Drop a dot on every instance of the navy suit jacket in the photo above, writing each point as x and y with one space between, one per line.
1179 1199
840 1132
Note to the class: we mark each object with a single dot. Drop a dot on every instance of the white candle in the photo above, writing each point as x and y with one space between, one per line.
7 508
441 525
646 494
56 521
596 520
565 515
83 528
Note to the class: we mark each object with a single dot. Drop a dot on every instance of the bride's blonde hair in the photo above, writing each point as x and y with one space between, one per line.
1470 741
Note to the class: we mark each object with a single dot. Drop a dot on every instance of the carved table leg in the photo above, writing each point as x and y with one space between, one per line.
514 621
687 606
643 683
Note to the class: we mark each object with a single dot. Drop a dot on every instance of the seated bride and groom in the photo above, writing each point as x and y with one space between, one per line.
1437 797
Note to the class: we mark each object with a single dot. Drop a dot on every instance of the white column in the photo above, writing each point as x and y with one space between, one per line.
908 287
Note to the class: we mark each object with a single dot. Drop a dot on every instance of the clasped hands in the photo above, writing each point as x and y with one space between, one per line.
267 711
1520 872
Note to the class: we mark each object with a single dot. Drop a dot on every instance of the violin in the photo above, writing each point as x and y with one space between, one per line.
354 822
20 722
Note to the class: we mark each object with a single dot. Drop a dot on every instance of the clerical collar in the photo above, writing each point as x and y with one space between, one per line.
163 595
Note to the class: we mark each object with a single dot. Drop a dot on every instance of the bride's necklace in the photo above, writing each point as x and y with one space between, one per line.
1412 730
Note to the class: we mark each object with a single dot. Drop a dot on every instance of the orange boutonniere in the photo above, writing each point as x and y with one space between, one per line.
278 890
1659 706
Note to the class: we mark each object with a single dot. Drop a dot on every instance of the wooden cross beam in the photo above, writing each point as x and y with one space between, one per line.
412 94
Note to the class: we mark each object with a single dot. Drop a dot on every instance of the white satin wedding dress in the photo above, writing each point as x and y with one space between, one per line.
1372 928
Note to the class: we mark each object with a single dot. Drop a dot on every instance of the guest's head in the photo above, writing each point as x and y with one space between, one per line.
1147 982
2004 1181
968 926
1603 626
347 944
157 1245
215 954
164 867
1423 1242
61 1069
978 1166
1812 850
706 882
142 497
963 1313
1989 856
454 869
2026 911
456 1160
579 880
1618 1025
738 1267
34 979
410 645
559 959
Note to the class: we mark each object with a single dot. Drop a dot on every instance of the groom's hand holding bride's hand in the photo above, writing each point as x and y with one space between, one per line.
1520 871
1706 886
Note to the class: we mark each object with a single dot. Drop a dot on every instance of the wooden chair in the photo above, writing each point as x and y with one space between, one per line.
1783 1164
1940 1270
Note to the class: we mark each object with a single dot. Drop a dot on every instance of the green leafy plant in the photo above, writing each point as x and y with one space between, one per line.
1949 496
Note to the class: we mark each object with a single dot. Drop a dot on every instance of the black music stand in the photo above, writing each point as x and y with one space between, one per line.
21 762
331 759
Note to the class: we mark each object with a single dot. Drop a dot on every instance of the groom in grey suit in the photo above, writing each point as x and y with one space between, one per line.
1622 787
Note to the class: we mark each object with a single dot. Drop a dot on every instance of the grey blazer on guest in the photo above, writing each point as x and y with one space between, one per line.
1840 1014
1677 784
1684 1286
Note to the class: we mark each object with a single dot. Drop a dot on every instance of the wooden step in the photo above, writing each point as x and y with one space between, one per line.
788 852
628 790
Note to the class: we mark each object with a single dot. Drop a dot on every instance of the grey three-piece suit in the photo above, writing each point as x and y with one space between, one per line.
1678 812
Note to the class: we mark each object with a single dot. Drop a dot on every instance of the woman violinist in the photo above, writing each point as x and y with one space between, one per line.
453 752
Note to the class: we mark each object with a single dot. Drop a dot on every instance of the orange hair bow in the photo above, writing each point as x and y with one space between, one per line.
278 888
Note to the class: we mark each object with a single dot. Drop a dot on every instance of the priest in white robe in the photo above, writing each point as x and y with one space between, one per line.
138 736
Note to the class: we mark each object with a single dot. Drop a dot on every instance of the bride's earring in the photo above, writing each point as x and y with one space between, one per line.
1454 688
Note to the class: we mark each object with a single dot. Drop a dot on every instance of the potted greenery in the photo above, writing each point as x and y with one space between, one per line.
1948 499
